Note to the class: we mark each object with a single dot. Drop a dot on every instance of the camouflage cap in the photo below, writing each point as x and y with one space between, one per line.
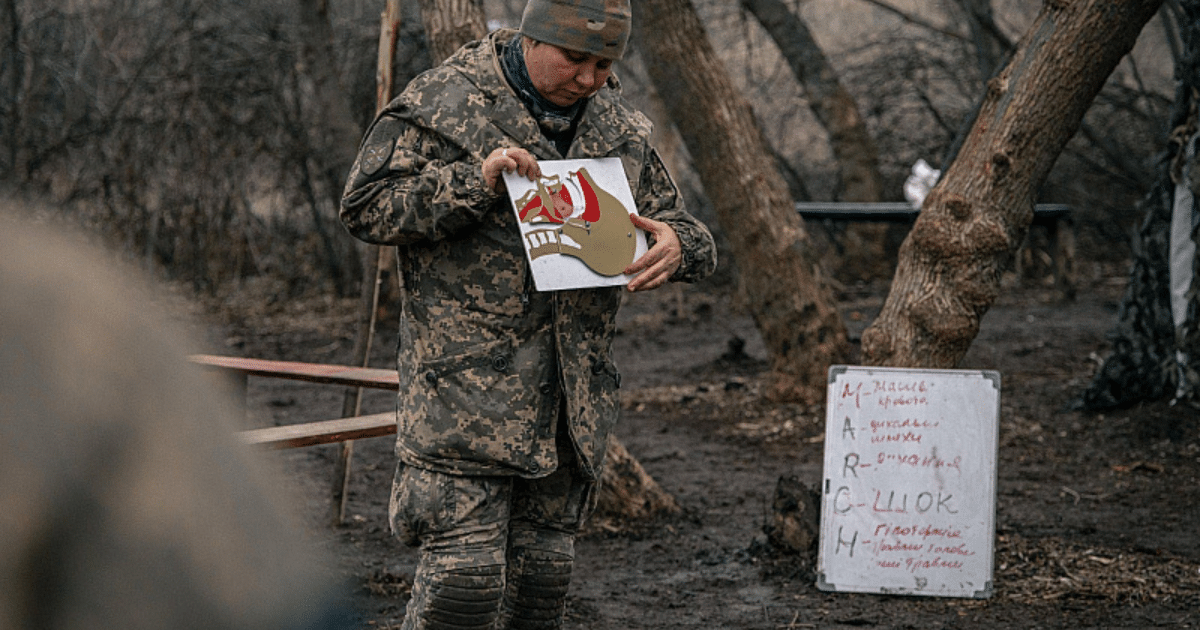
599 27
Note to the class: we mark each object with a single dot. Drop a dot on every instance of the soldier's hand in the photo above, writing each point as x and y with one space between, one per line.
654 268
508 160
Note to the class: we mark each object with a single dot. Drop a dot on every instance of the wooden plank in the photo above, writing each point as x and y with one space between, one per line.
323 432
311 372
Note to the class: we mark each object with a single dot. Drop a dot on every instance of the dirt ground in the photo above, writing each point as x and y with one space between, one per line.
1098 515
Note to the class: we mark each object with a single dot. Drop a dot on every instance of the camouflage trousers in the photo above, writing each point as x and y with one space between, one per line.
495 551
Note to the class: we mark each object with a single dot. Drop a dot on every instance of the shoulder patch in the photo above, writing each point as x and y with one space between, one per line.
375 155
379 146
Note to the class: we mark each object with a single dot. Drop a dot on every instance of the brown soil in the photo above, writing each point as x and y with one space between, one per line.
1097 515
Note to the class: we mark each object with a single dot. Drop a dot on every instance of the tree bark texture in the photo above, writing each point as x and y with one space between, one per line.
627 491
1143 364
791 305
977 216
451 23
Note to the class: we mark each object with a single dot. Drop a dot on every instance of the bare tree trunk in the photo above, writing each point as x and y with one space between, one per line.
11 66
977 216
1152 357
792 306
372 273
864 243
451 23
627 491
832 105
990 43
332 134
326 95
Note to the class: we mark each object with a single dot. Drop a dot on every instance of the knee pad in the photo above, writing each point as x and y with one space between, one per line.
467 598
535 593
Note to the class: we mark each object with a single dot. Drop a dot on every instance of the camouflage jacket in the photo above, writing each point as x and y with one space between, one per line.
486 362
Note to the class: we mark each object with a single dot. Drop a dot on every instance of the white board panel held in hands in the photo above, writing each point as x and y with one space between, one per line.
575 223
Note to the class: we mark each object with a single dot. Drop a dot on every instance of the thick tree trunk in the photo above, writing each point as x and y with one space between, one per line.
451 23
1151 356
793 308
976 217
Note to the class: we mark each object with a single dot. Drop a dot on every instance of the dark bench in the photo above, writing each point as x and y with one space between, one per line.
1055 217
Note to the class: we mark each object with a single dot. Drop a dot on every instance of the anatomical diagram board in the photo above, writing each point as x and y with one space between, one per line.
575 223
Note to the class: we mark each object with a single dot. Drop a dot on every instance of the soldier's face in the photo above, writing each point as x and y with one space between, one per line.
565 76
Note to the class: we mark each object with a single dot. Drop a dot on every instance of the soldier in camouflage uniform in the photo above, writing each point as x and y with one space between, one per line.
508 395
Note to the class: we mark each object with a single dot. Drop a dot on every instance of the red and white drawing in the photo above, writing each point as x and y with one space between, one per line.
575 223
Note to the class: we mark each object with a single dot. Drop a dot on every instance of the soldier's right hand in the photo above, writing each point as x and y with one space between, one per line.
508 160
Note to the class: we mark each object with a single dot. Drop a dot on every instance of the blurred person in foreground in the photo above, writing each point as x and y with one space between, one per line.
507 395
124 500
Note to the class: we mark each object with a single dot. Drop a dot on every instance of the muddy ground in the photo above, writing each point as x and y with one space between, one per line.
1098 515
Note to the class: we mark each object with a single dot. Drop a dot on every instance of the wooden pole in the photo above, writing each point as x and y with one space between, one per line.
389 31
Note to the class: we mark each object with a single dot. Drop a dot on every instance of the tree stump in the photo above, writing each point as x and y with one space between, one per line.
795 524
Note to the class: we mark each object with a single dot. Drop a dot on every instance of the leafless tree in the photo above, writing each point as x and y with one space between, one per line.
833 106
862 245
187 131
976 217
793 309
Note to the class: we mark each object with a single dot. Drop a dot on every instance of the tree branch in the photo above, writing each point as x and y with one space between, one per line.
912 19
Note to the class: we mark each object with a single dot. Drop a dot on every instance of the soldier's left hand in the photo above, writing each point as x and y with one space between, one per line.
654 268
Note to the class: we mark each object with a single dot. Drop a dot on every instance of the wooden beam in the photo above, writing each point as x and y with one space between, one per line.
311 372
323 432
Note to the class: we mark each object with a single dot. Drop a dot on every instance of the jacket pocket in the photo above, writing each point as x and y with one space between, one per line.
481 408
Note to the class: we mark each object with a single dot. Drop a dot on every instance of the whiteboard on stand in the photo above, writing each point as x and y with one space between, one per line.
908 502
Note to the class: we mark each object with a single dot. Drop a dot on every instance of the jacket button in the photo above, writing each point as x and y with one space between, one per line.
499 363
597 367
546 388
535 469
431 377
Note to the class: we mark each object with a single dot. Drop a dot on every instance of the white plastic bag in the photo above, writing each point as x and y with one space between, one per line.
920 182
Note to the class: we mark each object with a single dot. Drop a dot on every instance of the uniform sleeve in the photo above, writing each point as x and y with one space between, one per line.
659 199
409 184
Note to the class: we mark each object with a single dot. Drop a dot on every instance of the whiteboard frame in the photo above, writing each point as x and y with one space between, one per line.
984 539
